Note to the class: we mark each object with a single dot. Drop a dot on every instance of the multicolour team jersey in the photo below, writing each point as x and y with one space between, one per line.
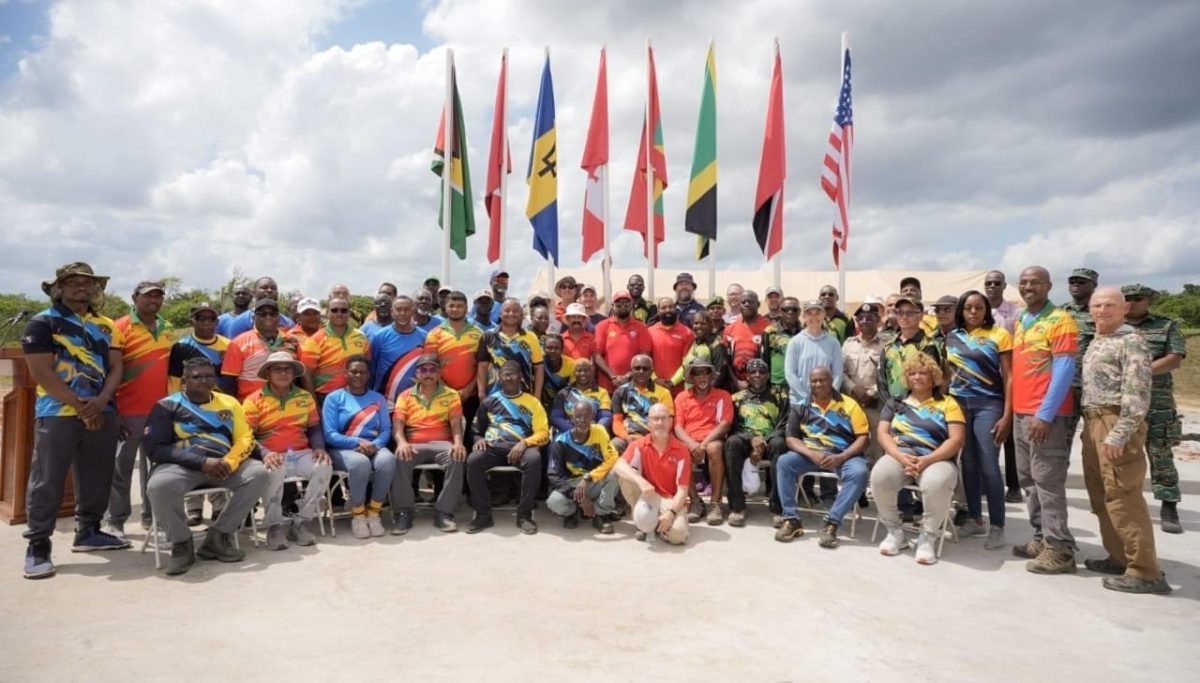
281 423
189 347
774 350
394 357
919 429
498 348
1038 340
745 342
831 428
144 362
505 420
427 420
896 353
346 418
974 359
244 322
699 416
216 429
554 381
593 458
245 356
80 345
840 326
456 351
631 407
759 414
324 356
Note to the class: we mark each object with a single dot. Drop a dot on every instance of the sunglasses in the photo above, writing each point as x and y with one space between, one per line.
789 309
339 310
427 370
908 313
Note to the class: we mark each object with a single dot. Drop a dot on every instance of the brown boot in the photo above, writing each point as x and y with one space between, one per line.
1029 550
1052 561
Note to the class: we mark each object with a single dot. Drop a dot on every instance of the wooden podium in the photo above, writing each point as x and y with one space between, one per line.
17 448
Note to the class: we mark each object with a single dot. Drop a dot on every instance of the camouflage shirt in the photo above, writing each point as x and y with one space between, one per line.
774 350
1116 373
1087 331
1162 335
760 414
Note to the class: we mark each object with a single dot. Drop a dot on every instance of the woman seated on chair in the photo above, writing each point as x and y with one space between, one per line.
583 388
357 430
921 437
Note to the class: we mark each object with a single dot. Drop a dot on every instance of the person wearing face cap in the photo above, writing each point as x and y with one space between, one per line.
1080 285
498 284
265 287
587 297
774 299
248 351
812 347
618 339
308 319
440 298
943 311
860 367
704 415
481 312
760 412
686 306
578 342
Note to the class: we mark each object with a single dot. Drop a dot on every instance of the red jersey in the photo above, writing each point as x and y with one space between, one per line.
580 348
699 416
667 471
144 358
745 342
618 343
670 345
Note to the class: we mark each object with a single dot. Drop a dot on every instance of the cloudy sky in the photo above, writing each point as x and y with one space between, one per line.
168 137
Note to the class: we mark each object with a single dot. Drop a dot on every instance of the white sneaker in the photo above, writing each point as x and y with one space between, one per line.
893 542
117 530
358 527
375 525
925 553
995 539
972 528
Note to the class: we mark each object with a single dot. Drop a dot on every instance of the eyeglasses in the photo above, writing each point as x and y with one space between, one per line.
427 370
789 309
992 283
267 314
339 310
908 313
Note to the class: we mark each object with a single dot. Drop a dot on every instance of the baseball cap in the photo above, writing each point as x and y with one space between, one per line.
432 279
147 286
428 359
1085 274
946 301
445 288
201 307
308 304
575 309
588 288
484 293
811 304
774 290
265 303
497 274
623 294
910 280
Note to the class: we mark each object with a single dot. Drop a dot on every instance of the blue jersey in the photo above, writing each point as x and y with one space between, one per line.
394 357
244 322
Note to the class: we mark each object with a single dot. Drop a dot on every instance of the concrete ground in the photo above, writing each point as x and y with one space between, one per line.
573 605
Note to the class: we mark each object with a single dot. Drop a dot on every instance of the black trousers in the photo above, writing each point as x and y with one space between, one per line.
61 444
478 463
737 451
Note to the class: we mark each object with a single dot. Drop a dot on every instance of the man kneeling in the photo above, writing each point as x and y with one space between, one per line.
580 472
655 474
195 438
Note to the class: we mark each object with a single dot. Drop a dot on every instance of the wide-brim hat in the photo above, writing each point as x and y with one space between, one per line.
71 269
278 357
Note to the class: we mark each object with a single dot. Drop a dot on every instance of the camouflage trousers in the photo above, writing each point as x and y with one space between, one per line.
1164 429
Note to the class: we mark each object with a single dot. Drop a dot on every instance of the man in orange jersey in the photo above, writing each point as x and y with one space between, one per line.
670 340
703 416
324 354
455 343
249 350
618 340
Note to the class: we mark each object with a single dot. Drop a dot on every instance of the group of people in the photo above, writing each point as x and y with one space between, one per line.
647 410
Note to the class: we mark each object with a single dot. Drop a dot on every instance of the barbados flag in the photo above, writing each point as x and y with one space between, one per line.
542 177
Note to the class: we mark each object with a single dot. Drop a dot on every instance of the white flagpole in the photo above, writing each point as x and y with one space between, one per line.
447 164
606 264
712 244
651 242
504 167
777 266
845 296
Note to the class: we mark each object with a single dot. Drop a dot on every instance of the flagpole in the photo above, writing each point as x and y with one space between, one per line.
448 144
651 242
777 266
845 296
550 257
606 264
504 163
712 244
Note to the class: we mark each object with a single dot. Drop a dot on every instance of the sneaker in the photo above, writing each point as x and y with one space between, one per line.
639 535
478 524
776 521
715 518
276 539
403 522
300 533
925 551
893 542
1052 561
375 526
194 518
828 537
1029 550
960 517
737 519
37 560
358 527
1169 519
1131 584
115 530
603 524
92 539
1104 566
696 510
571 521
789 530
527 525
1014 496
972 528
183 556
995 539
219 546
444 523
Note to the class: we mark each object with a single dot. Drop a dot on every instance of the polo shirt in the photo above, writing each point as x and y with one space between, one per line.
324 356
498 348
593 458
348 417
300 335
456 351
394 357
80 345
144 362
246 354
670 345
428 420
831 428
667 471
554 381
688 312
281 423
579 348
618 343
631 408
1050 333
189 347
216 429
505 420
699 416
244 322
745 342
974 359
919 429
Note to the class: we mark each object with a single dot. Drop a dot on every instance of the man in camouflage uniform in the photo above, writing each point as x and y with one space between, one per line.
1081 284
1116 397
1164 428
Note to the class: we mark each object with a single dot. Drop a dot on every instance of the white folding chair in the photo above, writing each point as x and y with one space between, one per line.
505 468
152 536
947 528
301 483
427 467
340 479
805 504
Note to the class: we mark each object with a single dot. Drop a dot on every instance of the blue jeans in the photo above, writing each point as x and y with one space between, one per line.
981 459
360 467
853 475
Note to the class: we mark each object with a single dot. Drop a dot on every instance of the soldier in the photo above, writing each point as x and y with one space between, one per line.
1116 397
1081 284
1164 427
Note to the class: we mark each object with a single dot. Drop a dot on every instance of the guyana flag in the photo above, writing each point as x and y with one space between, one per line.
462 210
701 217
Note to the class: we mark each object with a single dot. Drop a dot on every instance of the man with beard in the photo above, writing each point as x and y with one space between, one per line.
669 342
618 339
686 305
423 307
578 342
455 342
744 336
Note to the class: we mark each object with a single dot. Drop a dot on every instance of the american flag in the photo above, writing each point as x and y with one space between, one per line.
835 176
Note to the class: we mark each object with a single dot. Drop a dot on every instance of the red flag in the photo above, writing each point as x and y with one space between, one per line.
635 216
772 169
499 163
595 158
835 171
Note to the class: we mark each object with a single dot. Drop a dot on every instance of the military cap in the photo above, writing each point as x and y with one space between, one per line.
1138 290
1086 274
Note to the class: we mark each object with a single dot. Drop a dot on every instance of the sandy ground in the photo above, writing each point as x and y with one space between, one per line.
577 606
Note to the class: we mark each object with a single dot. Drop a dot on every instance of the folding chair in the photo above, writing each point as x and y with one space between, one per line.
427 467
323 502
340 479
152 536
505 468
947 528
814 507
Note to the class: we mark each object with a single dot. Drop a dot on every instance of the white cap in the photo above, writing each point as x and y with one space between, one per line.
308 304
575 309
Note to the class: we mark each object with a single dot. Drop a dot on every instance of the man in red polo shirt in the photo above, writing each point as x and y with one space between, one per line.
655 474
578 343
618 340
703 416
744 336
670 340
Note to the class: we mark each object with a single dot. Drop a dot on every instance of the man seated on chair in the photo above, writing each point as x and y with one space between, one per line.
510 428
287 427
428 424
198 437
704 415
827 434
632 401
759 414
655 474
580 472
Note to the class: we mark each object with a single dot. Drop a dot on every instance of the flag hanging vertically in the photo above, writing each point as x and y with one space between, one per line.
635 216
835 174
595 159
701 216
462 211
542 208
772 169
499 165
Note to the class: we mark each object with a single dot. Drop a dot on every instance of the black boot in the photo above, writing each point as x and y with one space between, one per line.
183 556
1170 518
219 546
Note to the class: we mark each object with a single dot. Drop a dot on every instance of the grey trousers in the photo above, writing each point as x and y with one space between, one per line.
1042 470
119 507
603 493
168 483
302 465
61 444
434 452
